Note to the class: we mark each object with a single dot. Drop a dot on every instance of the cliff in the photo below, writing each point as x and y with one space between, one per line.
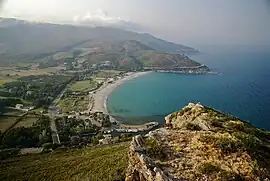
200 143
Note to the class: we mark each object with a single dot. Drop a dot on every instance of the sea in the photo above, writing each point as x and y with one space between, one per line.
242 88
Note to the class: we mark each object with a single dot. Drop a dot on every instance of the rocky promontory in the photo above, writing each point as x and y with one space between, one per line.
200 143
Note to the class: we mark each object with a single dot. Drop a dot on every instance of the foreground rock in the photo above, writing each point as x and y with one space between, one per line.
200 143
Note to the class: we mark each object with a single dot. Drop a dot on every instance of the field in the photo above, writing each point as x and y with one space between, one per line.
9 118
107 73
5 79
83 86
7 122
27 121
103 163
77 104
23 73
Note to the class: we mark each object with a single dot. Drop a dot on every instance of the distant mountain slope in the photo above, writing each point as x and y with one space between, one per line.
130 54
22 37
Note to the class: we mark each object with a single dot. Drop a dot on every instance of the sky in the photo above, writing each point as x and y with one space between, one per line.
190 22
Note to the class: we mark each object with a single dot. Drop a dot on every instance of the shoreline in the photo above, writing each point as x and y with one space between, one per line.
101 96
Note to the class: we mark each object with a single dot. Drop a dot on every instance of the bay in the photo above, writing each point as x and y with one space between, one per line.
242 89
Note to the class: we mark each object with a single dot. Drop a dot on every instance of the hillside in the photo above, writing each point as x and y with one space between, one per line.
200 143
101 163
22 37
54 45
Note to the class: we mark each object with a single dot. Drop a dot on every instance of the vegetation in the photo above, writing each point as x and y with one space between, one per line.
34 136
194 127
7 122
154 148
104 119
107 73
74 103
9 153
40 90
103 163
203 143
84 86
68 127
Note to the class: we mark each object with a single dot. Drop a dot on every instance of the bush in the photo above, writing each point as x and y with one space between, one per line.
217 123
8 153
223 142
154 149
173 115
207 168
193 127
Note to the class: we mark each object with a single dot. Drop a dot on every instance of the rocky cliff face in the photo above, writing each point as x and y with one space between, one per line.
200 143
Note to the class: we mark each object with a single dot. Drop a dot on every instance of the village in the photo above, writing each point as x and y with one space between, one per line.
92 121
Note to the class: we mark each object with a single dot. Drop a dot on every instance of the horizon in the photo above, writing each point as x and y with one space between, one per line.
189 23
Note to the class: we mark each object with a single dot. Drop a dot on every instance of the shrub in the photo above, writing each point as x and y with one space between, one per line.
223 142
207 168
8 153
154 149
173 115
249 141
217 123
193 127
236 126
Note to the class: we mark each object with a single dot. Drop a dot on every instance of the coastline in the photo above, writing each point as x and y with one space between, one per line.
100 97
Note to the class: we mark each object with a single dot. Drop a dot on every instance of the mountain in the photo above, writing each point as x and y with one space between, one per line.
200 143
52 45
130 54
22 37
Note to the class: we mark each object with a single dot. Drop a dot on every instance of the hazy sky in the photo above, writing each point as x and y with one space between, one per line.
191 22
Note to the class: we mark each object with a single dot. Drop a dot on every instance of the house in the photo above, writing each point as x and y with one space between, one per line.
19 106
108 139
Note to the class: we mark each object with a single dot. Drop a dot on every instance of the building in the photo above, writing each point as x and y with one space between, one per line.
19 106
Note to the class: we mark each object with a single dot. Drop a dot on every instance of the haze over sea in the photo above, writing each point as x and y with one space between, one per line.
242 89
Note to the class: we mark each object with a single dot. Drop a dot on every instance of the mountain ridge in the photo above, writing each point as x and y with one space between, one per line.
46 34
200 143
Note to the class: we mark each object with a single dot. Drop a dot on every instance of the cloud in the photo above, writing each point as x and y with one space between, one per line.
101 18
2 2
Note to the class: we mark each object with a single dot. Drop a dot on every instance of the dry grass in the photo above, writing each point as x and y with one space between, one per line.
6 122
23 73
98 164
27 121
77 104
107 73
83 86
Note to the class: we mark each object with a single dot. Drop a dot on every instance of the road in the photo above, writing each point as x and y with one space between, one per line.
52 113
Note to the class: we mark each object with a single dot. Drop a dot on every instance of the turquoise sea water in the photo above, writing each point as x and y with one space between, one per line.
243 90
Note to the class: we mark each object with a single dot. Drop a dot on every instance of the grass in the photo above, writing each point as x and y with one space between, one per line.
12 112
23 73
107 73
9 118
4 80
83 86
27 121
6 122
98 164
79 103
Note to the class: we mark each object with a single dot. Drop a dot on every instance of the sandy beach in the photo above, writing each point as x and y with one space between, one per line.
101 95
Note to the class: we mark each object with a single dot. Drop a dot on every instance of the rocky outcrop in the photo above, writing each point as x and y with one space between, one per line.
141 167
200 143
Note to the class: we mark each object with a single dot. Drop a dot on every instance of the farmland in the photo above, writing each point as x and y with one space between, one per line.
77 104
